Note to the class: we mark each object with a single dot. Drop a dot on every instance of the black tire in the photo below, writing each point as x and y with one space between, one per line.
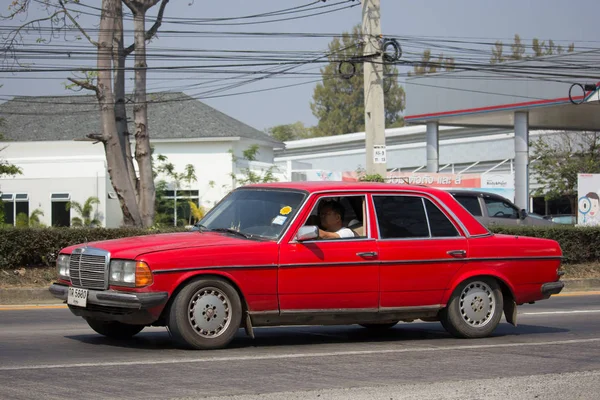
379 327
205 314
113 329
474 309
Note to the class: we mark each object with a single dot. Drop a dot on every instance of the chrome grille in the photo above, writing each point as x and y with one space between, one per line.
89 268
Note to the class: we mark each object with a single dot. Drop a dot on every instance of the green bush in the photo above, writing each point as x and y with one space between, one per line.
372 178
579 244
23 247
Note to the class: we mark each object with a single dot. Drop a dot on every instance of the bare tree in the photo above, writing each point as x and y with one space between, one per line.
140 110
136 196
117 164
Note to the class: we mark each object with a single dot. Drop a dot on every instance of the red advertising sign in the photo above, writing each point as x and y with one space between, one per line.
439 180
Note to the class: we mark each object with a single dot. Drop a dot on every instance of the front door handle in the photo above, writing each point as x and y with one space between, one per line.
367 254
457 253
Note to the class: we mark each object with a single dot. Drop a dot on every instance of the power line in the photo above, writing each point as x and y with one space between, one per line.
219 21
242 67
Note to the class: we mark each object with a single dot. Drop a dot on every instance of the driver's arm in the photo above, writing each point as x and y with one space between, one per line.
328 235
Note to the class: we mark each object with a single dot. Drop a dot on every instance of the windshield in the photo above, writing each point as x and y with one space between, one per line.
254 212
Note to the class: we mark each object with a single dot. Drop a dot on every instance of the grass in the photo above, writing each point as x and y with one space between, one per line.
28 277
581 271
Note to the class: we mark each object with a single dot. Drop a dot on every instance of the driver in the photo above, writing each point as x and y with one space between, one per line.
331 216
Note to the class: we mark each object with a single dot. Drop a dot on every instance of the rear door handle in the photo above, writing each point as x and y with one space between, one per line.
457 253
367 254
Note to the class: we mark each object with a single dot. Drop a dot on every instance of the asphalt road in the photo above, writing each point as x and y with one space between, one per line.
553 353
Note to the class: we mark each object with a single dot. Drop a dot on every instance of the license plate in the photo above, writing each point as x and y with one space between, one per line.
77 297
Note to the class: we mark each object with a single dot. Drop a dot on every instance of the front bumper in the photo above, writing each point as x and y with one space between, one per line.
111 305
548 289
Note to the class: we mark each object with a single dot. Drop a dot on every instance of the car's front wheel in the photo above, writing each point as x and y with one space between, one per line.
474 309
205 314
113 329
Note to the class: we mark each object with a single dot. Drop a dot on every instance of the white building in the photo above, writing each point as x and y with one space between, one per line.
462 150
46 138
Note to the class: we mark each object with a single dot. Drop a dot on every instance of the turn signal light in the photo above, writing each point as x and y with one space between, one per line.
143 275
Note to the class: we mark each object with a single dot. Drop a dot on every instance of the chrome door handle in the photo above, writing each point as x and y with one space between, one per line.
367 254
457 253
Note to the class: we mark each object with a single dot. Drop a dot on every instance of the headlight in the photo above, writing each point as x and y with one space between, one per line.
62 264
130 273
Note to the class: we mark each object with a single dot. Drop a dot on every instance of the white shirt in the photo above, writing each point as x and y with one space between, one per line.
345 233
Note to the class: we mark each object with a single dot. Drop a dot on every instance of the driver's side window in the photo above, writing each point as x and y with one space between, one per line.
341 214
500 209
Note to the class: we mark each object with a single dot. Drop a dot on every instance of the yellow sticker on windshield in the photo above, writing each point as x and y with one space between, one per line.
285 210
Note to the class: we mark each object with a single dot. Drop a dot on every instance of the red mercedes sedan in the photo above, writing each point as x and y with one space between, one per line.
311 253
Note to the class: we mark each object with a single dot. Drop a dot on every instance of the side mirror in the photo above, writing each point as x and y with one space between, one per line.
523 214
309 232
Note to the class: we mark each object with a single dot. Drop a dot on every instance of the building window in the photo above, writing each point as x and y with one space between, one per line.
60 215
9 208
174 207
16 208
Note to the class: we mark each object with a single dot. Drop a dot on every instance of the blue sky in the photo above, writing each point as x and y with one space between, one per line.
560 20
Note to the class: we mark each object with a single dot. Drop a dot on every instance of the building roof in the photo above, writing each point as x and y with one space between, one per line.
490 95
171 115
407 136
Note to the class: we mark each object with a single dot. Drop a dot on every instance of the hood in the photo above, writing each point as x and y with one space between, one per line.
132 247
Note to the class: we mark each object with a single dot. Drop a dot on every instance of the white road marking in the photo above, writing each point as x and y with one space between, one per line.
298 355
561 312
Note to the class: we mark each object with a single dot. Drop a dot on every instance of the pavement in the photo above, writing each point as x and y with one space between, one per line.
12 296
553 353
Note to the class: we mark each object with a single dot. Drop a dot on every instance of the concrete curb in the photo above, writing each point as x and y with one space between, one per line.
23 296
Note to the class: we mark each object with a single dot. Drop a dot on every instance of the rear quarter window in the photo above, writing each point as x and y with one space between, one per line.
439 224
471 203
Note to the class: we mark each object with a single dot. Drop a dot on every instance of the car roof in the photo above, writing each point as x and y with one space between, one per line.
477 193
319 186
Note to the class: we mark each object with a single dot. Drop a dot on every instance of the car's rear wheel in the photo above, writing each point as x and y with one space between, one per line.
379 327
205 314
474 309
113 329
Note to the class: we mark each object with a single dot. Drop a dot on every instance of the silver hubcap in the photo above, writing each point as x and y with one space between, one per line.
209 312
477 304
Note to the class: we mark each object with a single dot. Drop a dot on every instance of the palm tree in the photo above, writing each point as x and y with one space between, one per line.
32 221
34 218
86 218
196 212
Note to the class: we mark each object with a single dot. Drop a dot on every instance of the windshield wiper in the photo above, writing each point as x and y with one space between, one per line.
232 231
201 228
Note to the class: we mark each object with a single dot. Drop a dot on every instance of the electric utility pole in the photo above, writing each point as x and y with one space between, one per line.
374 107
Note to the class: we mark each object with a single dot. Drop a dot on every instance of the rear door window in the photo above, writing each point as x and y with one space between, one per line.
401 217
